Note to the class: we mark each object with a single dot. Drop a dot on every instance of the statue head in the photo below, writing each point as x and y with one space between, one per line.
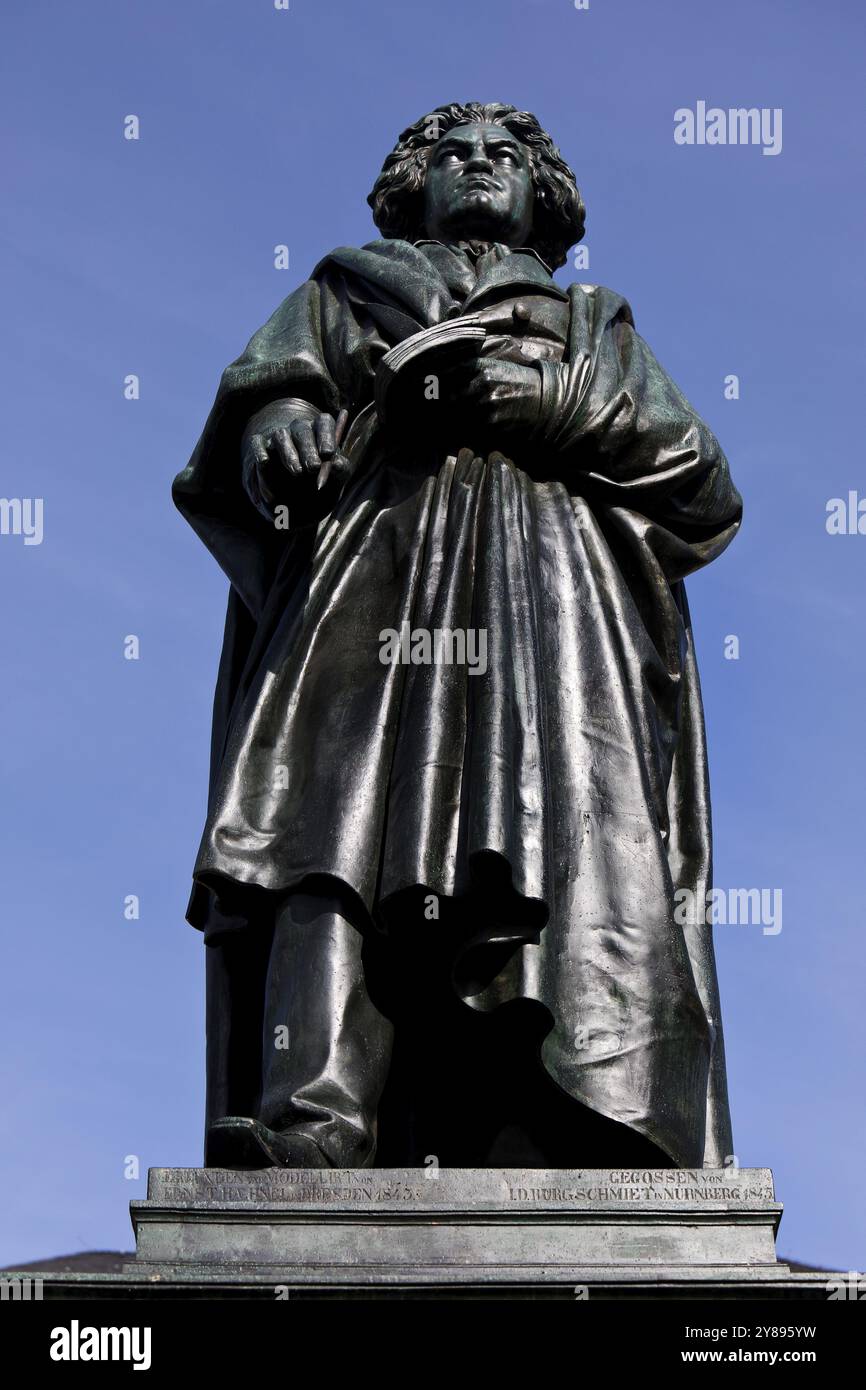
479 171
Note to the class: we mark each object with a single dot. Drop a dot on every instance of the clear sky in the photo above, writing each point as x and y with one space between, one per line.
155 257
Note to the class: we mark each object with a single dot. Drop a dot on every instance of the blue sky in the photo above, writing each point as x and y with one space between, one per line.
155 257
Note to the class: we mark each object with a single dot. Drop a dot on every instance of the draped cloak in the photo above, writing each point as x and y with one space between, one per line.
566 785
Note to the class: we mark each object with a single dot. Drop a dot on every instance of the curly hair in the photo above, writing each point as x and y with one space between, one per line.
397 198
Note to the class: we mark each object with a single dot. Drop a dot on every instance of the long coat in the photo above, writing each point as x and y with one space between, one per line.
566 786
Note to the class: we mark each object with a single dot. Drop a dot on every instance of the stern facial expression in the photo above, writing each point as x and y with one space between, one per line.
479 186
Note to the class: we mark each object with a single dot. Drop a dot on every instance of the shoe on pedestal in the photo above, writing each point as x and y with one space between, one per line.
237 1142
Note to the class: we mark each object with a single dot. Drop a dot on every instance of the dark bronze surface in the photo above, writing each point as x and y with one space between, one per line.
554 497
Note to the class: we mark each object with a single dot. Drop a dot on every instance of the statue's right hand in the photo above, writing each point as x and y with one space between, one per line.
281 453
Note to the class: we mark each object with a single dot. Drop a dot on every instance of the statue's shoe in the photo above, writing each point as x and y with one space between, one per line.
237 1142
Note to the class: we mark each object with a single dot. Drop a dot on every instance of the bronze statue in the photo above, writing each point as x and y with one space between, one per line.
458 764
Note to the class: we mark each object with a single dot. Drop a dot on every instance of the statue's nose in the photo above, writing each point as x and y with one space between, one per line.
478 161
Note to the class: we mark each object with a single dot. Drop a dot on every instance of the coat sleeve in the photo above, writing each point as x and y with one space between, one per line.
312 352
634 441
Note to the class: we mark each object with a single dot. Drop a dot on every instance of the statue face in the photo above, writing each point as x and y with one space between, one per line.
479 186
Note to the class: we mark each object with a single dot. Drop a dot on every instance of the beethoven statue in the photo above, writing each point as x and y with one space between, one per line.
459 776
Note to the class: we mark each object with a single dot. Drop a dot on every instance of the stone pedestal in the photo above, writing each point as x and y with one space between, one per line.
427 1229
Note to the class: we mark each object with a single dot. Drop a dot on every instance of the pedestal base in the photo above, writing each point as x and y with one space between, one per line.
565 1231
